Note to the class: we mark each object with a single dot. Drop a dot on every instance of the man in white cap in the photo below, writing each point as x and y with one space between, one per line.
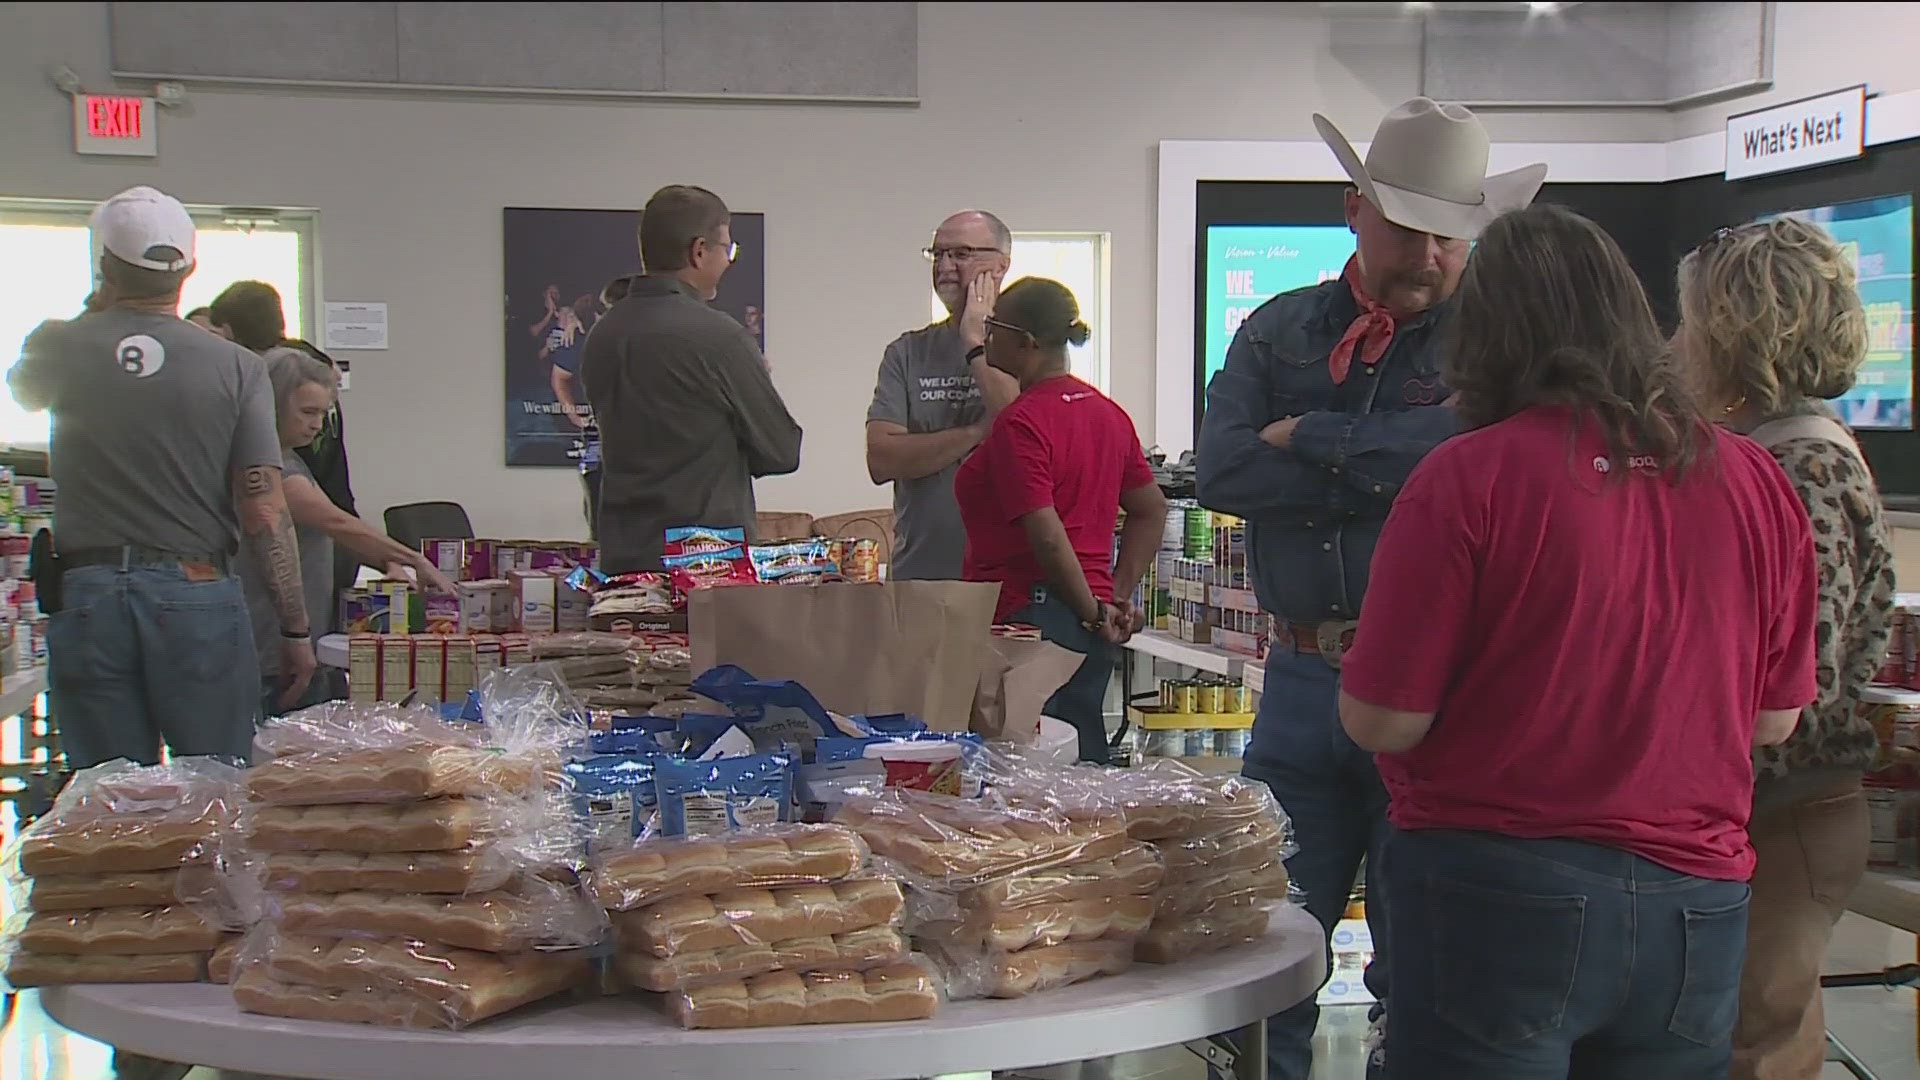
167 459
1329 397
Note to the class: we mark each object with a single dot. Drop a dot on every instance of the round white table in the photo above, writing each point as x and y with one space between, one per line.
331 650
1148 1006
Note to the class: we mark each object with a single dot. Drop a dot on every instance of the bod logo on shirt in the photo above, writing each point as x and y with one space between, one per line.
1422 390
139 355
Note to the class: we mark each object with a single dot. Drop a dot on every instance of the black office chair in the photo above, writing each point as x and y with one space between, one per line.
411 523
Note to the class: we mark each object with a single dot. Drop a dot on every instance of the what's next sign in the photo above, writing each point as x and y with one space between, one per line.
1814 131
115 124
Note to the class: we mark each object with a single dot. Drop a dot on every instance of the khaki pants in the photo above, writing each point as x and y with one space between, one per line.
1811 855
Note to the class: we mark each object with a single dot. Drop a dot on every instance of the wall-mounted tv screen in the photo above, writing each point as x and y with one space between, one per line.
1878 234
1247 265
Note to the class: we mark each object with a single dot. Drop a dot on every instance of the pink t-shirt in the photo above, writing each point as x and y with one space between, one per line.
1595 646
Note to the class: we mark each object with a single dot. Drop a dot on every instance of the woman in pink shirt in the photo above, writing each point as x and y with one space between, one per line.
1584 613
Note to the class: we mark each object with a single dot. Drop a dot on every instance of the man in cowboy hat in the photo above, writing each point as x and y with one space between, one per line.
1329 397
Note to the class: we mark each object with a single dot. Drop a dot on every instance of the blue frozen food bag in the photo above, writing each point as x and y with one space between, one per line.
709 798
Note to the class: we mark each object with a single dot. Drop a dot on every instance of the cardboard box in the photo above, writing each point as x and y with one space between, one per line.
429 662
363 667
571 605
461 673
486 607
447 556
396 667
670 623
1253 645
442 615
1232 599
516 649
391 603
536 600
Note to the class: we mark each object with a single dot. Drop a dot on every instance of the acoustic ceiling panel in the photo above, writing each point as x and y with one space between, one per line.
794 49
597 47
352 43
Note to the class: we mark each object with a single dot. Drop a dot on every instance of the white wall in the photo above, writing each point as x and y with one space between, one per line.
1046 113
1823 47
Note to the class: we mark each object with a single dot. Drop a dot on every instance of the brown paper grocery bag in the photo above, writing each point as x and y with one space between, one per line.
1015 684
914 647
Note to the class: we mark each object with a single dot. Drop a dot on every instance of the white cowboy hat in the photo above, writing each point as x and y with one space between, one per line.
1427 170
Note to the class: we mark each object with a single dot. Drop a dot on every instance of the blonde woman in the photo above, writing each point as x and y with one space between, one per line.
1771 325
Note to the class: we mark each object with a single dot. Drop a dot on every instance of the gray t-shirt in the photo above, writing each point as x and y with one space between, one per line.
925 386
316 580
152 416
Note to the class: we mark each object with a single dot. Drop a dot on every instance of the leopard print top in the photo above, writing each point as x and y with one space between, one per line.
1855 556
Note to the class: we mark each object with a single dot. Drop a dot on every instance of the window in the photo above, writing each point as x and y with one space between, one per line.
1078 261
48 273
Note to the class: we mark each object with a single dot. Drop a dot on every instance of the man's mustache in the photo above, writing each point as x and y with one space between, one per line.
1419 279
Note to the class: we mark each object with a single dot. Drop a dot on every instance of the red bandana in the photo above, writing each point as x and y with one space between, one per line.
1367 336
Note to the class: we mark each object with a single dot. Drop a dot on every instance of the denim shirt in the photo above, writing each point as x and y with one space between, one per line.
1315 510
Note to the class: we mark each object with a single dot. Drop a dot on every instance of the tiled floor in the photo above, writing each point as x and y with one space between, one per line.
1877 1025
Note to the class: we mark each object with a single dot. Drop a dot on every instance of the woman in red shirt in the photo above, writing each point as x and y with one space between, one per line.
1040 495
1584 613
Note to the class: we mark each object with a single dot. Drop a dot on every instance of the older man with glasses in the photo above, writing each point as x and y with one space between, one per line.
936 397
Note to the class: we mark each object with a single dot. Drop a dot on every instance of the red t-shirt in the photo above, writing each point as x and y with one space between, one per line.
1595 648
1061 444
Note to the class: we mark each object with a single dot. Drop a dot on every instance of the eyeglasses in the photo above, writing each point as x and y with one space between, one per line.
957 254
732 249
995 324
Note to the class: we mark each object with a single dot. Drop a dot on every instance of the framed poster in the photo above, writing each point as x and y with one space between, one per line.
556 263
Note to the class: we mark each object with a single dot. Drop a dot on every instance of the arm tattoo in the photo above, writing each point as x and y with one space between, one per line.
256 481
269 539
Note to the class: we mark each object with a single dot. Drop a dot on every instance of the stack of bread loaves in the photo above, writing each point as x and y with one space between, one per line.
1225 869
1221 840
761 928
100 875
410 875
1012 898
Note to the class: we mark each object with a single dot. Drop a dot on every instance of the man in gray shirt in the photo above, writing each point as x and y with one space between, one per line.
687 412
166 458
929 410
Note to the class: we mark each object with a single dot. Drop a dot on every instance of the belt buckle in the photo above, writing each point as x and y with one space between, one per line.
1334 639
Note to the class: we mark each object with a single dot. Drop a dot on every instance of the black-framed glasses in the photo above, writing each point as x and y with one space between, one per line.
958 253
995 324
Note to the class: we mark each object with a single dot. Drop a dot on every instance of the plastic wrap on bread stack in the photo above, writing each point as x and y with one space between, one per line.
781 924
619 672
98 879
1222 840
412 871
1009 897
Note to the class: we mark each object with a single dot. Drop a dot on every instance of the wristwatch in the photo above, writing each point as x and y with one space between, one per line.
1099 617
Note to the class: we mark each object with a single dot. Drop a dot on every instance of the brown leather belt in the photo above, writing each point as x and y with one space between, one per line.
1328 640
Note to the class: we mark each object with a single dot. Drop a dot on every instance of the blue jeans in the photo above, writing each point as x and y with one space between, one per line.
1082 700
1538 959
142 655
1331 790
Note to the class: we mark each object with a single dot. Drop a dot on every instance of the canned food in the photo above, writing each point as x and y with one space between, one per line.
1166 742
1230 742
1238 700
1895 715
1166 695
1211 697
1199 742
1185 699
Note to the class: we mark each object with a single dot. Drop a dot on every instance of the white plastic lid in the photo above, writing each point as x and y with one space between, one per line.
1876 694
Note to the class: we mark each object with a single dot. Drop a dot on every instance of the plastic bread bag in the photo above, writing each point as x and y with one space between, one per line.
708 798
942 844
1040 925
904 990
1135 869
478 868
1151 803
1244 847
996 974
531 913
118 931
356 725
733 917
1202 889
584 643
26 969
118 818
659 868
854 950
373 828
1170 940
392 981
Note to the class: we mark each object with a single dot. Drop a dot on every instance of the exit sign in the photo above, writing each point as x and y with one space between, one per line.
111 124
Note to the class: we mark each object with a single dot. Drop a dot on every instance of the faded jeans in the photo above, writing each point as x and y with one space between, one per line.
141 655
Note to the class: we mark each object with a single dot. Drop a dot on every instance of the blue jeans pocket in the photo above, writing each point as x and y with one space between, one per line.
201 638
1505 961
1709 1001
74 652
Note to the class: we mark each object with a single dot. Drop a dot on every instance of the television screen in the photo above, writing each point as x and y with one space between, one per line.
1878 234
1246 265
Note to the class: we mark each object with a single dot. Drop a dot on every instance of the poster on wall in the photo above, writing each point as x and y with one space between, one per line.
556 262
1878 237
1247 265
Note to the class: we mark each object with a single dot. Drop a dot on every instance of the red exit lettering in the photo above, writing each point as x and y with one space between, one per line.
113 117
